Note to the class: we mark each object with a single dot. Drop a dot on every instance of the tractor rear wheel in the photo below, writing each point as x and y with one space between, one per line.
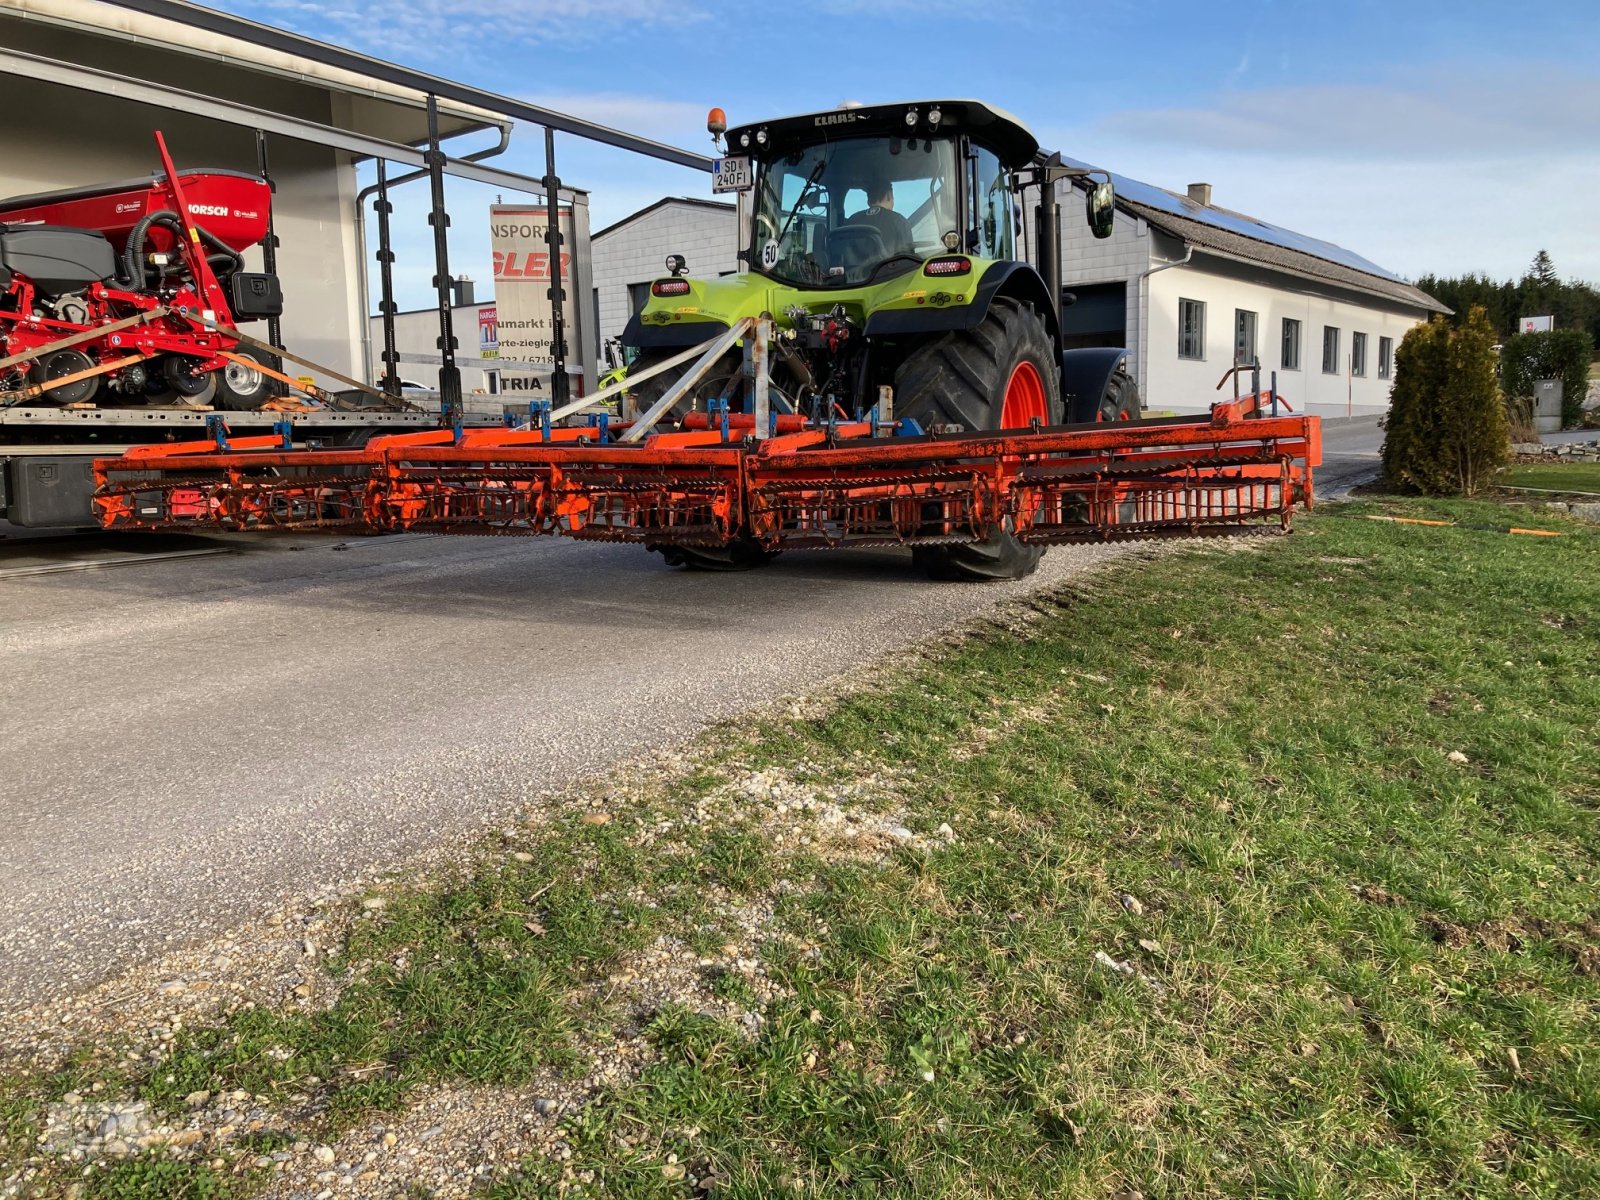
1001 375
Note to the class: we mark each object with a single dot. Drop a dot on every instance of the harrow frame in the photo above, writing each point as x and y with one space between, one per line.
845 484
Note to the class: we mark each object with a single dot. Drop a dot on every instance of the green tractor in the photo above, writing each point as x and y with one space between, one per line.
883 246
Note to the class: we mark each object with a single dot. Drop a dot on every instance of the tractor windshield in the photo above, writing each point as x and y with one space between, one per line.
848 212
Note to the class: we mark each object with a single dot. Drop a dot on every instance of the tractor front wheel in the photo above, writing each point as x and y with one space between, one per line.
1120 402
1001 375
742 554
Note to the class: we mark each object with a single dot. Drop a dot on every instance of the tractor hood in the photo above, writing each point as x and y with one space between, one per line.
1007 136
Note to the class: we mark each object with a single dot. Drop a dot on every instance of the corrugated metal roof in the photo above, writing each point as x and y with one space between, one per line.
1240 236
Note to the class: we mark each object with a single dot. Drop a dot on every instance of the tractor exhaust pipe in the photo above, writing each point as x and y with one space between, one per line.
1047 237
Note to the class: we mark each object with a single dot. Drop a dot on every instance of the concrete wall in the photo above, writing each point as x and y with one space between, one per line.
1224 286
635 251
72 137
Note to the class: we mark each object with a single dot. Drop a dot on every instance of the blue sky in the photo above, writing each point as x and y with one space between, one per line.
1426 135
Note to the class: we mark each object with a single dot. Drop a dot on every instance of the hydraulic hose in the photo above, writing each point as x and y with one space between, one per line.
133 257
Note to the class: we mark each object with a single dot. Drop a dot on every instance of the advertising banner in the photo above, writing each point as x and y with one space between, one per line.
522 285
488 333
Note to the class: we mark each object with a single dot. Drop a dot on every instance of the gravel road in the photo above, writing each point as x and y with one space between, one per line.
192 740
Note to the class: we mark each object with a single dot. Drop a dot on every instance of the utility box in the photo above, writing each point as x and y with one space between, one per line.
1547 395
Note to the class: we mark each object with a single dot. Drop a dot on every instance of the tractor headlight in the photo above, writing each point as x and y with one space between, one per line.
911 117
934 117
744 140
761 137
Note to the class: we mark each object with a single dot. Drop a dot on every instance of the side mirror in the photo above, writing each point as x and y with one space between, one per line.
1101 203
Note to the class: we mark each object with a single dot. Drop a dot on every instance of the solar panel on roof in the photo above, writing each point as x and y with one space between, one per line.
1181 206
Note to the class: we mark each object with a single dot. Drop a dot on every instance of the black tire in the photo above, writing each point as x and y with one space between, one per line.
725 380
1120 401
961 380
1001 557
240 388
740 555
60 365
195 388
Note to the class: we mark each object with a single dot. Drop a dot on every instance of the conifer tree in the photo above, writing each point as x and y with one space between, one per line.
1447 432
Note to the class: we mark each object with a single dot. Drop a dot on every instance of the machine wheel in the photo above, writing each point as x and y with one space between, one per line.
647 392
1001 375
1001 557
59 365
740 555
725 379
241 388
1121 399
196 387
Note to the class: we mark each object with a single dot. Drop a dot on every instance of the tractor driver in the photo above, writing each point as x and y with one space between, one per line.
880 215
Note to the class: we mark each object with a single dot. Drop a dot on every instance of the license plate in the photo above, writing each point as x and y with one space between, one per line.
731 174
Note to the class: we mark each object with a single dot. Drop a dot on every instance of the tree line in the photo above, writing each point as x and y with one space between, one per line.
1540 292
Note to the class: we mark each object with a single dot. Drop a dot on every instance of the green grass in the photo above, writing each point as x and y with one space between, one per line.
149 1179
1344 933
1361 969
1556 477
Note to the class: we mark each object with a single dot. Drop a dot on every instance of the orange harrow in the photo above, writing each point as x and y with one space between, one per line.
707 484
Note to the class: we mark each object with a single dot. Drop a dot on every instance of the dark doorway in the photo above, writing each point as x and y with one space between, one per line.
1098 317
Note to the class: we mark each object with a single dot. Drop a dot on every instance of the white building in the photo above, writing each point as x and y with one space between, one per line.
1192 289
631 253
89 82
1188 287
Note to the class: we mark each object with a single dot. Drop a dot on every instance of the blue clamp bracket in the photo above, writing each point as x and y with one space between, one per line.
717 409
285 432
539 415
217 427
908 427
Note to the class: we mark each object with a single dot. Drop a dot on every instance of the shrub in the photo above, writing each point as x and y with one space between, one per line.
1447 431
1562 354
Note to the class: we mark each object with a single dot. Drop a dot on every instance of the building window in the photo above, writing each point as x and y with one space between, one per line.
1358 354
1291 344
1244 337
1191 329
1385 357
1330 350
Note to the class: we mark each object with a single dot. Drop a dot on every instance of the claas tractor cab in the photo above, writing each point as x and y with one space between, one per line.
883 243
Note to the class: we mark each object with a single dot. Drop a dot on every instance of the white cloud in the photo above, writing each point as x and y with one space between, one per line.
1429 115
429 30
1431 173
677 122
